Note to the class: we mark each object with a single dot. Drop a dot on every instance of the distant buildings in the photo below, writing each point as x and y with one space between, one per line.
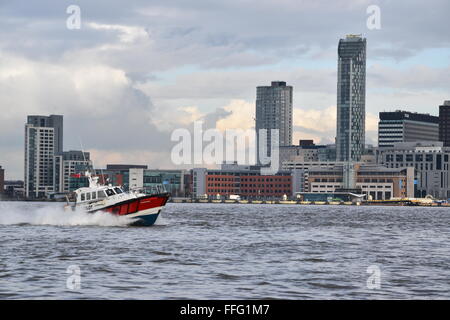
444 123
67 164
48 168
404 126
274 111
14 189
409 161
375 182
133 177
351 97
43 140
307 151
245 181
2 180
430 161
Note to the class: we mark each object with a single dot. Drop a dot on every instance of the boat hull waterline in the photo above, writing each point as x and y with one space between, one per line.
142 211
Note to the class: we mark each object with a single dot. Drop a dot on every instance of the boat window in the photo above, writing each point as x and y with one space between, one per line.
88 196
110 192
101 194
94 195
82 197
118 190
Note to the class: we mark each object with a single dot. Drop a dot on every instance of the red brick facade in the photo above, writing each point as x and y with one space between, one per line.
248 186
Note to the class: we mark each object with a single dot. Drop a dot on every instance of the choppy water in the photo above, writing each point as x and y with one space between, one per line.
226 251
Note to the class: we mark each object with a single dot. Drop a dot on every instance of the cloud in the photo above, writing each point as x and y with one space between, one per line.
127 34
133 73
241 115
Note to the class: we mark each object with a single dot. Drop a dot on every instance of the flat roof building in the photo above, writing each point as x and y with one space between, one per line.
245 181
376 182
430 161
404 126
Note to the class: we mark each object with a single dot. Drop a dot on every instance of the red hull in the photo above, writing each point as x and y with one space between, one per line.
138 204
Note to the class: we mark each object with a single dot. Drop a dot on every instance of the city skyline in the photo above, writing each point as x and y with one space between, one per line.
82 76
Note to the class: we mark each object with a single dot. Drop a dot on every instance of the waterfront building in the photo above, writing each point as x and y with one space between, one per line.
14 189
171 180
304 166
404 126
119 175
245 181
305 151
351 97
444 123
43 140
430 160
67 167
375 182
134 177
274 111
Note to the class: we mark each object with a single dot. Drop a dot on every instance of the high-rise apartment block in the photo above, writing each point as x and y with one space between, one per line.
43 139
351 97
52 121
274 111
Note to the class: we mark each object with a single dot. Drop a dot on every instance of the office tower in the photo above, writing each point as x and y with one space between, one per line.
404 126
351 97
274 111
444 123
43 139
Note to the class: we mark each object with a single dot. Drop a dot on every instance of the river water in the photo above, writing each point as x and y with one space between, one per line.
226 251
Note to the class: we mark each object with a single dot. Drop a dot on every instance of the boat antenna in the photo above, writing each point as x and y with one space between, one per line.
84 156
82 150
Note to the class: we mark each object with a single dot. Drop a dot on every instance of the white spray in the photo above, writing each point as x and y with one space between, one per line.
13 213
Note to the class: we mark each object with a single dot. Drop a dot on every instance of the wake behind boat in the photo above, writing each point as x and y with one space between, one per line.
142 208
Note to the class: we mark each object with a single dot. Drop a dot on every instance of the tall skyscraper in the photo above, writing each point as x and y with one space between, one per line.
404 126
274 111
351 98
444 123
43 140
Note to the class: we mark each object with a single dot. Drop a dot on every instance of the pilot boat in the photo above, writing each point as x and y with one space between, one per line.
141 208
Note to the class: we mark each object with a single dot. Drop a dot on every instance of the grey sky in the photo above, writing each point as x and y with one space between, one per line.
136 70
